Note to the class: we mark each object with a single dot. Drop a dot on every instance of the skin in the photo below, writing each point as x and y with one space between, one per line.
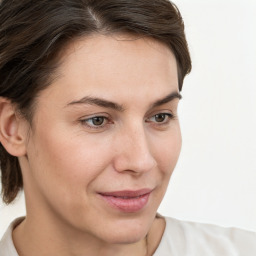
67 159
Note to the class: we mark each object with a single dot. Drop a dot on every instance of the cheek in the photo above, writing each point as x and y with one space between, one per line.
63 173
168 150
168 156
68 163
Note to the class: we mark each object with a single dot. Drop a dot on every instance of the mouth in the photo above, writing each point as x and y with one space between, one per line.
129 201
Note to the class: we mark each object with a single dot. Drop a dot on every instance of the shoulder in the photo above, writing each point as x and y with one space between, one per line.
196 239
6 243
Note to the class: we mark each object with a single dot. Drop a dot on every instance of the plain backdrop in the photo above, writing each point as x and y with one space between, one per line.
215 178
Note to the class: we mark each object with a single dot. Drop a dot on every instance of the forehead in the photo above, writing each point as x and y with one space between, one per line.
100 55
114 66
127 41
108 48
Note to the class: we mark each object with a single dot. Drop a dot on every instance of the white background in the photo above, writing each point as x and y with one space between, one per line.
215 179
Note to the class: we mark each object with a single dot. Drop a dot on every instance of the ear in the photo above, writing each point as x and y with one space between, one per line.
12 129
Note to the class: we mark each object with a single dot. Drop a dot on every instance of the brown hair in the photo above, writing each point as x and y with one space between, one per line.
32 33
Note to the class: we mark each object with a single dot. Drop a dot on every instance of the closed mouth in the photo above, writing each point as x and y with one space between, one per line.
127 200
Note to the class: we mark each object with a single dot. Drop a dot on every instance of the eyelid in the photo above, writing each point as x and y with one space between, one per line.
108 121
84 121
168 114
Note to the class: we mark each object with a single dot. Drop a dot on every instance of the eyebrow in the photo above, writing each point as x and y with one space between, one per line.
168 98
109 104
98 102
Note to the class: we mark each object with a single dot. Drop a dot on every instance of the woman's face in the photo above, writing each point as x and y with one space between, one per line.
105 138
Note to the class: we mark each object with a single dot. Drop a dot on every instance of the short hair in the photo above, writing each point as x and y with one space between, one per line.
32 34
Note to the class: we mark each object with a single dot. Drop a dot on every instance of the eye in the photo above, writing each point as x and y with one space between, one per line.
95 122
161 118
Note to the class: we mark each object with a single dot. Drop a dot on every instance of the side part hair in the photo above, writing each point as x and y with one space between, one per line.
32 34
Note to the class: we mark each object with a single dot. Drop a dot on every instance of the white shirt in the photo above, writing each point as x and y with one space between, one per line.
181 238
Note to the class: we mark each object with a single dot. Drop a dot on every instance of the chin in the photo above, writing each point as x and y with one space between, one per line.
126 238
127 233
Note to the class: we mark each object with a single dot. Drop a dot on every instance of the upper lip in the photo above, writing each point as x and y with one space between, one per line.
127 193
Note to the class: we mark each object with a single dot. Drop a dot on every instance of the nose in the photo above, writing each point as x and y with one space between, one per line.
133 151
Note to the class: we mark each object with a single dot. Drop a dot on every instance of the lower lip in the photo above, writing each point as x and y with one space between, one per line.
129 205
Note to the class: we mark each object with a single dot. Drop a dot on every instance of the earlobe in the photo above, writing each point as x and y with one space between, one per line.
11 136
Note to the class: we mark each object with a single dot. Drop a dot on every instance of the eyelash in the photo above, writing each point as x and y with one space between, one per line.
106 121
167 118
93 126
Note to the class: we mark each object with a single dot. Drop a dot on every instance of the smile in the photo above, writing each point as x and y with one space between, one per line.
127 200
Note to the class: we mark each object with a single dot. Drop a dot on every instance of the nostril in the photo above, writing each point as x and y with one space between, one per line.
138 163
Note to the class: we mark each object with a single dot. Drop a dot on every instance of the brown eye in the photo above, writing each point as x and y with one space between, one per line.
159 118
98 120
95 122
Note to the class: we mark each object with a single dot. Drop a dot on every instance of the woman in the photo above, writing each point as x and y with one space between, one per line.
89 129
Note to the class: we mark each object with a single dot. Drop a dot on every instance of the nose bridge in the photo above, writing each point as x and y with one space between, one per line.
134 153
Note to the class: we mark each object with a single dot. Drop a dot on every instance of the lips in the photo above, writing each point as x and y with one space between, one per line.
127 200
